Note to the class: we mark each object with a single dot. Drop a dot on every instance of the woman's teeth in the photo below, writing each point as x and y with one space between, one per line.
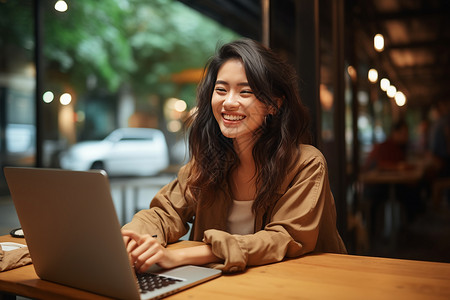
233 117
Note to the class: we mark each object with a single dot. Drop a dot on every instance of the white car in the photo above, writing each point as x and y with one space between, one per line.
124 152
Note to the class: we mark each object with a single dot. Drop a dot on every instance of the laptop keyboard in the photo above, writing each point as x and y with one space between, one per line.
150 282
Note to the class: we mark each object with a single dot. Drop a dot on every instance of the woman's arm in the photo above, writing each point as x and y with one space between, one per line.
301 221
144 251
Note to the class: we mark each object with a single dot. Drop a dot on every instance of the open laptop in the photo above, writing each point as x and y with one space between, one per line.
73 234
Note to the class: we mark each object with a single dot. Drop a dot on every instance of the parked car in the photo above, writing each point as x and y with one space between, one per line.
124 152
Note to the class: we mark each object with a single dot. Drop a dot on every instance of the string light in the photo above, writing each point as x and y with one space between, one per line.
378 42
384 84
391 91
400 98
373 75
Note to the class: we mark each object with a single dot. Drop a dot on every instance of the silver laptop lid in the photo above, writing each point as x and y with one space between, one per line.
72 230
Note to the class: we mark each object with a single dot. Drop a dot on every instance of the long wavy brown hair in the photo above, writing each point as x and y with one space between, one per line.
276 147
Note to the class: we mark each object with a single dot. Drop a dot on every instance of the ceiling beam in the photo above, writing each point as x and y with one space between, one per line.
244 17
435 43
407 14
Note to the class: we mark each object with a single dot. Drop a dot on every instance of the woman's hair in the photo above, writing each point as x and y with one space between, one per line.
276 147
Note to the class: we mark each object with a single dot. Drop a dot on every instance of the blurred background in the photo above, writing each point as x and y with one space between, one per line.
373 73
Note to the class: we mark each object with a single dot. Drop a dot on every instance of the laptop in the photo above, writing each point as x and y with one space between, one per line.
73 235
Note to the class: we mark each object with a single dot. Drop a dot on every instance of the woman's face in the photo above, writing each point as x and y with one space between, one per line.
235 107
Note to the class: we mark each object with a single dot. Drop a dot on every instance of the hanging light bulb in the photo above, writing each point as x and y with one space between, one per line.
378 42
373 75
391 91
400 98
384 84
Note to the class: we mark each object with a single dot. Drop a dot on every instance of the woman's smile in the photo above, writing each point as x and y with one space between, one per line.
232 117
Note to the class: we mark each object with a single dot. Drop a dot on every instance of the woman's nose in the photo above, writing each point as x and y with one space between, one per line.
231 101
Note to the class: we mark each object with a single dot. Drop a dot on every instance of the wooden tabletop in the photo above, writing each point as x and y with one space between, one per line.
314 276
406 176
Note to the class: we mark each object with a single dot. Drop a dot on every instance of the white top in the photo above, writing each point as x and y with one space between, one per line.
241 219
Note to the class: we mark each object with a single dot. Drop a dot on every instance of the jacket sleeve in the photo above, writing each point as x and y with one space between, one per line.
168 215
293 227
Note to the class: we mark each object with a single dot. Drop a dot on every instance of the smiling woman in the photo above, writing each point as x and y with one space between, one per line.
254 190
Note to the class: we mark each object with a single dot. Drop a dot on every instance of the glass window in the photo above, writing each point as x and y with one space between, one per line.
17 86
123 64
106 65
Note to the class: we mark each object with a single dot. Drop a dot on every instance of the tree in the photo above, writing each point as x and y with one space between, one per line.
98 49
133 42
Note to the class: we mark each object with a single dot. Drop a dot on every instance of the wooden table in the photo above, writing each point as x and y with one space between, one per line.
314 276
405 176
391 178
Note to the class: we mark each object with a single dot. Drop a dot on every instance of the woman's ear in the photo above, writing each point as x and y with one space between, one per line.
273 110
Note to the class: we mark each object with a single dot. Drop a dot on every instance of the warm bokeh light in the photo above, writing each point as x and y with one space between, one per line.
65 99
175 112
61 6
48 97
378 42
391 91
180 105
66 123
373 75
400 98
384 84
352 72
326 97
174 126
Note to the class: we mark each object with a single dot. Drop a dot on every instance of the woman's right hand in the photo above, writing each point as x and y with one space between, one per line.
144 251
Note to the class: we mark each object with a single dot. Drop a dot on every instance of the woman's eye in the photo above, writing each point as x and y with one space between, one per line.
220 90
247 92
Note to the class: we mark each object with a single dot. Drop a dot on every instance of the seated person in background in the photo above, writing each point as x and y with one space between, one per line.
253 191
390 154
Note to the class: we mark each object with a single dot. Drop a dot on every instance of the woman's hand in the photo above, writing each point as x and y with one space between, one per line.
144 251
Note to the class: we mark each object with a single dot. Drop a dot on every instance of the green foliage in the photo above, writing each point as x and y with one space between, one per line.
134 42
89 40
137 43
16 28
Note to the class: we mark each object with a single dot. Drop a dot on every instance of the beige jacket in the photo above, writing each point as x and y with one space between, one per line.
301 221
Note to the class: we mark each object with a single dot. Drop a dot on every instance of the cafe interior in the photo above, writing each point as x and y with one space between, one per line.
363 65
